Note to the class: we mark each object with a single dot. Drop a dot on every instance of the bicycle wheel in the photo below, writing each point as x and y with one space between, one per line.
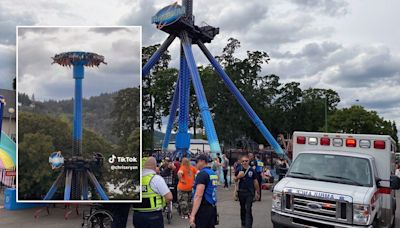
100 219
169 212
169 217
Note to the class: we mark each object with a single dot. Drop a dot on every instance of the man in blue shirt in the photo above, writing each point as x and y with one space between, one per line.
204 210
248 187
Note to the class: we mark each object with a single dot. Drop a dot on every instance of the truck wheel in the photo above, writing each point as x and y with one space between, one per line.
394 219
278 226
375 223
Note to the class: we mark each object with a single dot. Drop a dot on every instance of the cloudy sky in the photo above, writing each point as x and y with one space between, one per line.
349 46
36 75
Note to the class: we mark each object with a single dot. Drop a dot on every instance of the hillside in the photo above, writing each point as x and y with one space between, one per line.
96 112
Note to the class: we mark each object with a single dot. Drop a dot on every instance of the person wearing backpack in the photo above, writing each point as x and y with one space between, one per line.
204 209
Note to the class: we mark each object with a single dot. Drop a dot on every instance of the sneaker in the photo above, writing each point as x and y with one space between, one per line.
186 217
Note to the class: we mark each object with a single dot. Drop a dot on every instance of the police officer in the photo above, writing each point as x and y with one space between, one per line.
204 210
259 170
155 195
248 188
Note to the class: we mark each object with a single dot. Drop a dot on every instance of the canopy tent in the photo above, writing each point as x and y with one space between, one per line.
7 152
7 159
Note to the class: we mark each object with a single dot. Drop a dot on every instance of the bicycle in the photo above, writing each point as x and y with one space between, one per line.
168 212
169 207
98 217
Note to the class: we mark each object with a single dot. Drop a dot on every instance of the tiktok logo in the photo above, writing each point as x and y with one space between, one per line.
112 159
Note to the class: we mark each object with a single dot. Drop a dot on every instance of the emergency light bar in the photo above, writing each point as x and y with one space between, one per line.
313 141
338 142
365 143
350 142
325 141
301 140
379 144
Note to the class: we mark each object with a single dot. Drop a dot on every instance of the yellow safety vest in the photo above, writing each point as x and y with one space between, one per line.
144 159
151 201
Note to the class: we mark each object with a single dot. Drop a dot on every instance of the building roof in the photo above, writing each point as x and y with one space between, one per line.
9 96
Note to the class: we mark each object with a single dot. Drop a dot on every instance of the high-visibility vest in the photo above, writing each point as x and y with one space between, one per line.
144 159
151 201
260 166
210 191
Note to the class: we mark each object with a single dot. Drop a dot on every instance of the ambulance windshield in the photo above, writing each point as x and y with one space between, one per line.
332 168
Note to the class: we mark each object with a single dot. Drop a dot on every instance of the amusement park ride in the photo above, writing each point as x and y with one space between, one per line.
178 22
77 170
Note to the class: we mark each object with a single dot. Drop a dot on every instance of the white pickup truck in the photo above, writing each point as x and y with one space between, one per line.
338 180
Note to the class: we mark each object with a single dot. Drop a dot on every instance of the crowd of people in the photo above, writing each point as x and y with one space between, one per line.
397 169
192 186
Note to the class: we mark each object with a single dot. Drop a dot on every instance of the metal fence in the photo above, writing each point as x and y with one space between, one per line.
7 178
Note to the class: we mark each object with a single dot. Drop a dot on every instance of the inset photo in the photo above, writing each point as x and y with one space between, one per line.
78 114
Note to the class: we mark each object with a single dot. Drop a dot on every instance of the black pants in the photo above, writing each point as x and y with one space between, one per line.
225 178
174 191
259 180
205 216
246 203
120 213
148 219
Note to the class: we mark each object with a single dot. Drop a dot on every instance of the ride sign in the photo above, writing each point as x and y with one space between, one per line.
56 160
168 15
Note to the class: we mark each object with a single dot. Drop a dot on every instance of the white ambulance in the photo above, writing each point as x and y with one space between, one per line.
338 180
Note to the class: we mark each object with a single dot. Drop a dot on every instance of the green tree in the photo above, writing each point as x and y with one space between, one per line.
150 108
34 151
230 120
312 116
126 114
126 127
283 108
357 120
163 92
40 135
24 99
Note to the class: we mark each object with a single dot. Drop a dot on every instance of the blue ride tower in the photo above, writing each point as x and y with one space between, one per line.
77 170
178 21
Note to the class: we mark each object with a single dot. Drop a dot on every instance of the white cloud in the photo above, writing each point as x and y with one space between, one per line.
36 46
349 46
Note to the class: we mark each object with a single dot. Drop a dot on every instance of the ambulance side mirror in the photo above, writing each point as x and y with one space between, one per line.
394 182
378 182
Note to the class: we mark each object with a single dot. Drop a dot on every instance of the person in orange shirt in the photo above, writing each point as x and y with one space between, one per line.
186 175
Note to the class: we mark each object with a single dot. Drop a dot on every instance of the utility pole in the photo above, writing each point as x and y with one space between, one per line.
326 113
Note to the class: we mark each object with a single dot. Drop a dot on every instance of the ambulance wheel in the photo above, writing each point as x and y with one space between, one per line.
394 220
375 223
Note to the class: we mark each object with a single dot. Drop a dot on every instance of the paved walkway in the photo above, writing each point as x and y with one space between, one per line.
227 208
